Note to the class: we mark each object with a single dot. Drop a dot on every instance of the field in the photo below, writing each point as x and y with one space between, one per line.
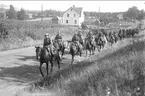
25 33
115 71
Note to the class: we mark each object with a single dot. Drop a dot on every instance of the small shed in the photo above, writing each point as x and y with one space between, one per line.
56 20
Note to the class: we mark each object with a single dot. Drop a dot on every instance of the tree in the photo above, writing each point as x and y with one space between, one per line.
3 31
132 13
83 26
22 14
12 14
141 15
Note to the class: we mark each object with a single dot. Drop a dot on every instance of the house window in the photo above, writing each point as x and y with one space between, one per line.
67 15
74 15
75 21
66 21
71 9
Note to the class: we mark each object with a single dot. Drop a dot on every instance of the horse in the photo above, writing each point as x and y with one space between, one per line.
99 43
38 51
48 55
90 45
60 46
75 51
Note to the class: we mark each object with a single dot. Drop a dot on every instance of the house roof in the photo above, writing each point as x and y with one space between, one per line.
76 9
56 18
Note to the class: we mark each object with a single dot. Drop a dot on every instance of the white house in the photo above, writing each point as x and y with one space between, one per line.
120 16
73 16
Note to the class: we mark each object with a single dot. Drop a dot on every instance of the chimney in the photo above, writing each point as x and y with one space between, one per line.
73 5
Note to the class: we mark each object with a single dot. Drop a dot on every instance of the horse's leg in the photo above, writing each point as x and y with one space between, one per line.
72 59
63 51
40 69
51 65
47 67
80 52
93 50
90 51
58 62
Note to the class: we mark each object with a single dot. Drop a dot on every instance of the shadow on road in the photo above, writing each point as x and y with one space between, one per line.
25 58
25 73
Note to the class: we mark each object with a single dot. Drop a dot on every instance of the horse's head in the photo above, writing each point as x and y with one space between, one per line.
38 51
73 46
56 45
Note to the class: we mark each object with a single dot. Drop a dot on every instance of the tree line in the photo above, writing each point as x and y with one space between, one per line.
22 14
131 13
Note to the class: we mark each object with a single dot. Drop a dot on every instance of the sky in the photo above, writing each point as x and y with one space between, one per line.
105 6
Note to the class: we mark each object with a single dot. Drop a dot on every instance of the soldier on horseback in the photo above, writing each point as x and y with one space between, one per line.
47 40
90 37
80 37
48 43
76 40
58 39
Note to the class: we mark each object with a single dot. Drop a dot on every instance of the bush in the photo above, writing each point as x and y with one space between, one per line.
3 31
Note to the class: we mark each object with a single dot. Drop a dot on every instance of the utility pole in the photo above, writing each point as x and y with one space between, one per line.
42 11
99 19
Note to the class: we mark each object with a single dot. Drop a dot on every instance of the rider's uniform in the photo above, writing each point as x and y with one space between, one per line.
48 44
76 39
89 37
80 38
58 39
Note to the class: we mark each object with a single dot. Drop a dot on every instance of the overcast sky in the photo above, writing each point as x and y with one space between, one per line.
105 6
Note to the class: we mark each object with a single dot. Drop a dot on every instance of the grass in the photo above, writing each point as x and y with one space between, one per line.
113 71
24 34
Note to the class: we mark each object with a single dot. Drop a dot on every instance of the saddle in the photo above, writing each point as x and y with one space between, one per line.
51 49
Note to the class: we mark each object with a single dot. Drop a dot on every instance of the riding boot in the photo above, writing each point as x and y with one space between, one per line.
59 56
78 50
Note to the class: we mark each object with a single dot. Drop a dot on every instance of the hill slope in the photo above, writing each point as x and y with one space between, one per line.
113 71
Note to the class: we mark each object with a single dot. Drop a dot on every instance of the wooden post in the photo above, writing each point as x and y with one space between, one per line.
42 11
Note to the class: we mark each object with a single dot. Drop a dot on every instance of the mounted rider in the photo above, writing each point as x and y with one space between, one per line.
76 39
80 37
47 40
48 43
58 38
89 36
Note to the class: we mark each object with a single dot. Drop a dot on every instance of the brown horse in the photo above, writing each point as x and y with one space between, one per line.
47 56
75 50
91 46
60 46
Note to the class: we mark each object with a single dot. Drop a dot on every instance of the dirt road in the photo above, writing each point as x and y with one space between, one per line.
19 67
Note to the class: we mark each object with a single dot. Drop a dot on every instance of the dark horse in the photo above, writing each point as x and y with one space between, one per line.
90 45
47 56
100 43
74 50
60 46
